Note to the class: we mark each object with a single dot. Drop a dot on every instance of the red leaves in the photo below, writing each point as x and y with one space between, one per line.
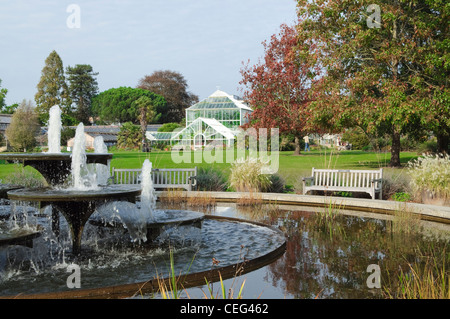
278 88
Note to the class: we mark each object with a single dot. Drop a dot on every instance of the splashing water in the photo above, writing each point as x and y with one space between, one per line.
148 196
54 130
127 214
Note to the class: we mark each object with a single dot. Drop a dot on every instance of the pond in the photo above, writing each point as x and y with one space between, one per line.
327 253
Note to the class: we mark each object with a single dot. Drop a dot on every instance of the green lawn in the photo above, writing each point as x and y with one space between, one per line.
292 168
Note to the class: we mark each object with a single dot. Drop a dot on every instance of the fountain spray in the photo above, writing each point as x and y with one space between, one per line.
54 130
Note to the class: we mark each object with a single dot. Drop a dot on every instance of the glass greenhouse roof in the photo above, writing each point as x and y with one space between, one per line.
161 136
219 100
214 103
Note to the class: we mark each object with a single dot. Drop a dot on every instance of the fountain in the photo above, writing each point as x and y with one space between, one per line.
54 165
79 192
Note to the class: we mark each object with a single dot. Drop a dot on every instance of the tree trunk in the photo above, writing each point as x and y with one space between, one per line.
443 141
297 145
395 149
143 122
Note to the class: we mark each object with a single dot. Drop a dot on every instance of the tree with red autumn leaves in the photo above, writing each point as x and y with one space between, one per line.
277 87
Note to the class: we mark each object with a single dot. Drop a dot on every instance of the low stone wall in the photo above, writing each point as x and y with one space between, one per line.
427 212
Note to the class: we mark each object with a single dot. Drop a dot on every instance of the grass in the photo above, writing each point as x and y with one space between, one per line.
291 168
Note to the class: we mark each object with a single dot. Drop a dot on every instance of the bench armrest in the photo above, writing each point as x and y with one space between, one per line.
306 179
193 180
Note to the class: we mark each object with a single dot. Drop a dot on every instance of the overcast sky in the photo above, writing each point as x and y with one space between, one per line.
205 40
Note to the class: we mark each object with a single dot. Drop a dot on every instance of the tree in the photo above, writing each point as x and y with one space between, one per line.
173 87
24 127
129 136
119 104
3 93
52 89
147 113
83 87
277 87
168 127
382 78
6 109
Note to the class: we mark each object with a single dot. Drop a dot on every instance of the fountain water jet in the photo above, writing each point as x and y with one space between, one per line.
54 130
148 196
83 178
102 170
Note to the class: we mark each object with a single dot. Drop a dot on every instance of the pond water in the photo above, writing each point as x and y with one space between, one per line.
327 253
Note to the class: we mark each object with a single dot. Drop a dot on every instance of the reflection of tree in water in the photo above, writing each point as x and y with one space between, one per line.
329 258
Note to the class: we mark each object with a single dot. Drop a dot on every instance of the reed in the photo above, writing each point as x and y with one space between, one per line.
173 198
404 222
202 200
426 279
251 198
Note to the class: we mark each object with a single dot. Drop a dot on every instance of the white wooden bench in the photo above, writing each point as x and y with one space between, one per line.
368 181
162 177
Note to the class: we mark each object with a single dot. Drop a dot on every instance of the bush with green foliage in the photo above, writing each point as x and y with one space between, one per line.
168 127
277 184
211 179
356 137
129 137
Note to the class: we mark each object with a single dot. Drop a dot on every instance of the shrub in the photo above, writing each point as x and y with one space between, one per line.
429 146
246 176
24 127
395 184
25 177
430 174
129 137
277 184
211 179
401 197
356 137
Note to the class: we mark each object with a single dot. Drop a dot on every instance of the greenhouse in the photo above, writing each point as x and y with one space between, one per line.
216 118
227 109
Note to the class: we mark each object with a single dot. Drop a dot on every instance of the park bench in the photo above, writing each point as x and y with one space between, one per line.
368 181
162 177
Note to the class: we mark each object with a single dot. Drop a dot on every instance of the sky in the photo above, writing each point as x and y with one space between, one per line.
205 40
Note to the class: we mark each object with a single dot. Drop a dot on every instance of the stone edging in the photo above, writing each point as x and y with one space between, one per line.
427 212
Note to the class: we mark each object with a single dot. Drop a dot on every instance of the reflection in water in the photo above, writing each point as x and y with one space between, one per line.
328 253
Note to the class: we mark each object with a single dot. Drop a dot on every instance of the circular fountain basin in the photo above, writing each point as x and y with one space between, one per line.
5 188
50 195
54 167
160 218
18 237
223 245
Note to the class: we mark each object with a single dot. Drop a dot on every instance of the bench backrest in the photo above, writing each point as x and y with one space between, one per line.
161 176
347 178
